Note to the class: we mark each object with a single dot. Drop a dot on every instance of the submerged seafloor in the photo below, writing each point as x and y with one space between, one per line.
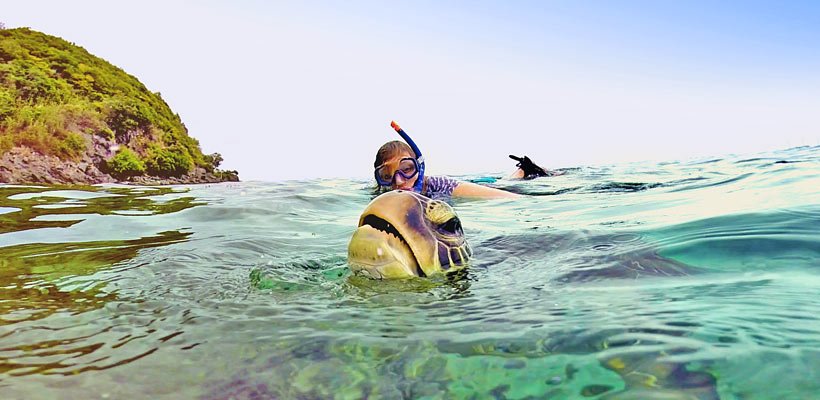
240 290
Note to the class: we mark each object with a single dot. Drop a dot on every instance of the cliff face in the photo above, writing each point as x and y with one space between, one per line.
67 116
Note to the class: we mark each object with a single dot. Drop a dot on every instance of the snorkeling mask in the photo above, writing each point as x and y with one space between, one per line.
408 167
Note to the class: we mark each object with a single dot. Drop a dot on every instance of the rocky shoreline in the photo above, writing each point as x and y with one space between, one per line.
70 117
22 165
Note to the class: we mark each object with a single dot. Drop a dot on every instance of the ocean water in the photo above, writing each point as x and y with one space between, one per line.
696 279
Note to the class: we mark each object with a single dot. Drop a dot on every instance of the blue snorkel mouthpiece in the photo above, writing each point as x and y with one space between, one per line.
419 158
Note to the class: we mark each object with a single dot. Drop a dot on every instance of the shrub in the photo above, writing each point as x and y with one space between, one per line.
72 145
33 85
212 161
6 143
174 161
124 115
37 137
230 175
126 163
106 132
10 49
7 106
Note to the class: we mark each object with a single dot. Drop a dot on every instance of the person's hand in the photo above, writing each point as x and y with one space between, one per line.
530 169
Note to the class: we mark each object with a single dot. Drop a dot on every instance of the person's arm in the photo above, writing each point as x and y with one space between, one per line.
469 189
518 174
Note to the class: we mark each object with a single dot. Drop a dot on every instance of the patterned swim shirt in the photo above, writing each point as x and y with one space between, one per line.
440 187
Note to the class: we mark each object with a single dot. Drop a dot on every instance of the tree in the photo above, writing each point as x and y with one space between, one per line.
2 25
214 159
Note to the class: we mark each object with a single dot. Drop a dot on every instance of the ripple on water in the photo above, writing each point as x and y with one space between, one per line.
243 290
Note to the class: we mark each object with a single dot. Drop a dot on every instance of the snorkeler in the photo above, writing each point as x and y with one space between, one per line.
400 165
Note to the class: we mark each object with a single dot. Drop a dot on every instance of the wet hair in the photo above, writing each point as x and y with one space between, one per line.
390 149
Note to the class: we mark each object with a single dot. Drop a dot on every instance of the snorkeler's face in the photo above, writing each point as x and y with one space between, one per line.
401 171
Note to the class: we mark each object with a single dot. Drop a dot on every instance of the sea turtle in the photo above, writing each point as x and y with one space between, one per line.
404 234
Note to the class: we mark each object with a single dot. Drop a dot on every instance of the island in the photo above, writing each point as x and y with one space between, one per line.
69 117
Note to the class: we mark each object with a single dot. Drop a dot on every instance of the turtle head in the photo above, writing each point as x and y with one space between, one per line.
403 234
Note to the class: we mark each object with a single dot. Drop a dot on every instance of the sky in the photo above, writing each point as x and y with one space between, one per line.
291 90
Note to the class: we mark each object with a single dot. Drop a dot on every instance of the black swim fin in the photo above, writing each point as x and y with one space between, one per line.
530 169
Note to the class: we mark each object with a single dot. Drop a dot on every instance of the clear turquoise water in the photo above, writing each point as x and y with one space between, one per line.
688 278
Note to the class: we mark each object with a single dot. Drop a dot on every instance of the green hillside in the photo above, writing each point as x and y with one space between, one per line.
59 100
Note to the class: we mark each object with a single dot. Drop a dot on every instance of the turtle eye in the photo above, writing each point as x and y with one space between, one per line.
452 226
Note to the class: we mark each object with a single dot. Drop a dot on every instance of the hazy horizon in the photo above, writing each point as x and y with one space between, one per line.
301 90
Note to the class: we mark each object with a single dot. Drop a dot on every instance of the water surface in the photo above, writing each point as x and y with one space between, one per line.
695 277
